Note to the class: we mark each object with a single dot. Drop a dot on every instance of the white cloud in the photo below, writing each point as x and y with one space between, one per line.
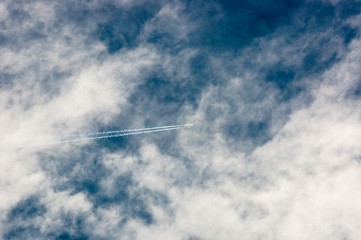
302 184
3 11
170 15
61 84
20 177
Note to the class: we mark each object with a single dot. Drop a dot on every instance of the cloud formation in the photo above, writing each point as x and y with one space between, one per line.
274 91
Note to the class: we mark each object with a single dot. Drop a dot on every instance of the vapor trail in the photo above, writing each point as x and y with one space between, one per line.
79 135
120 134
103 135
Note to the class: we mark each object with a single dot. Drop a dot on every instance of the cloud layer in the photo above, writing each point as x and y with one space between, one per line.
272 88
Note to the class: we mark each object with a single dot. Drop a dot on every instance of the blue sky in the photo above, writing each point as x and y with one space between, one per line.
273 88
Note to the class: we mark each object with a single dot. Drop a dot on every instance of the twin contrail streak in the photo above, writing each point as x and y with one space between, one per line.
118 133
80 137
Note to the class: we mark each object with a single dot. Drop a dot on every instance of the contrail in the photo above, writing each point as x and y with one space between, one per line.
104 135
120 134
79 135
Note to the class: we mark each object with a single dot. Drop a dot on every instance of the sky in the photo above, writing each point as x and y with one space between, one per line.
273 89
